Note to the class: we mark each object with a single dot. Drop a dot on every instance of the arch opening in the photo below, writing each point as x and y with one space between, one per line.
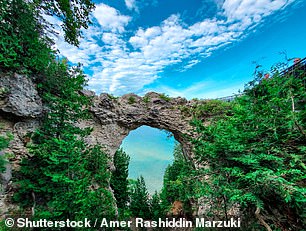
151 151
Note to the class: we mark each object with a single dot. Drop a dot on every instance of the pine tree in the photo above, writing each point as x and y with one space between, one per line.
176 184
22 47
155 206
64 178
139 204
74 15
119 179
25 41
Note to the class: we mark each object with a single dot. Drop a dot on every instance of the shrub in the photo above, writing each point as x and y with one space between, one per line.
146 99
164 97
255 157
131 100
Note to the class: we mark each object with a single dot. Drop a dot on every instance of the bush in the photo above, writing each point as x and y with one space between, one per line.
4 142
255 156
165 97
131 100
146 99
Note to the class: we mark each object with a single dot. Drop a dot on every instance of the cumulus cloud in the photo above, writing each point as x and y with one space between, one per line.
131 4
252 9
123 63
110 19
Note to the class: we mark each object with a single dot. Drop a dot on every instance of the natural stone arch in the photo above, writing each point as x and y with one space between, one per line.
114 118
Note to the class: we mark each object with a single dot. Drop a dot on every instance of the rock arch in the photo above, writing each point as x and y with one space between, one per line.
115 117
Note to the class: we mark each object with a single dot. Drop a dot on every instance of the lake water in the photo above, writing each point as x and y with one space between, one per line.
151 151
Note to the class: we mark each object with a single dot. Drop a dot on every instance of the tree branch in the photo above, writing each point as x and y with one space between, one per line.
261 220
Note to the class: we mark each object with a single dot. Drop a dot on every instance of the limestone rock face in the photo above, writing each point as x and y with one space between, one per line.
114 118
18 95
20 109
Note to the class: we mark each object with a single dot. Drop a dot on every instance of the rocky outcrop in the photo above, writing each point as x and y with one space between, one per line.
18 96
20 109
113 119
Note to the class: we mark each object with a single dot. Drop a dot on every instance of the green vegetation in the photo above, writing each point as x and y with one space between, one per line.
2 163
64 178
132 196
156 207
211 108
165 97
131 100
74 15
22 46
146 99
4 142
112 97
253 149
140 206
25 45
255 155
119 180
177 185
206 109
3 92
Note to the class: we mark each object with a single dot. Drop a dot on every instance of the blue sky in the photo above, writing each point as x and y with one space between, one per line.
188 48
194 48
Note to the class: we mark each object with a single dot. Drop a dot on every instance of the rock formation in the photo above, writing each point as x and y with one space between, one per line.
113 119
20 109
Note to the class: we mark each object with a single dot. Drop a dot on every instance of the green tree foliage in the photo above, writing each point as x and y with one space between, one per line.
21 45
119 180
64 178
177 185
139 199
156 207
24 41
255 155
74 15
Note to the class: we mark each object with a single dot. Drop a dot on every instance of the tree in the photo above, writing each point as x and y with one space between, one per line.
22 47
119 179
255 155
139 204
64 178
155 206
177 184
74 14
25 44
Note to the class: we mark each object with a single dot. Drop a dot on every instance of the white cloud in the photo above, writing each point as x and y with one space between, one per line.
110 19
120 69
252 9
131 4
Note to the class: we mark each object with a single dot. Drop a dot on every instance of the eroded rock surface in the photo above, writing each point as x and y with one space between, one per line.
20 109
113 119
18 95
